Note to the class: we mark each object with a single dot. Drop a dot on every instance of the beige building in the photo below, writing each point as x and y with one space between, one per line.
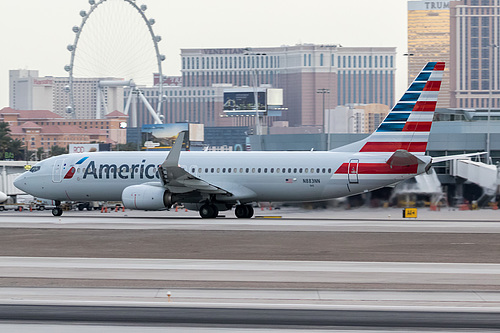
355 118
429 40
45 129
29 91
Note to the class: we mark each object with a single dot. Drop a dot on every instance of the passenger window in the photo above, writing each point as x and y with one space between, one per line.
289 170
206 170
278 170
283 170
212 170
300 170
258 170
236 170
329 170
199 170
223 170
228 170
305 170
192 170
294 170
265 170
312 170
323 170
241 170
218 170
247 170
272 170
253 170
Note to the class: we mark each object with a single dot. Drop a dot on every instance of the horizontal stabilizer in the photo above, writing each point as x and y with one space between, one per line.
402 157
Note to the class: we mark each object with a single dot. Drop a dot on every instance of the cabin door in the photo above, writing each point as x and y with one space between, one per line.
57 170
352 172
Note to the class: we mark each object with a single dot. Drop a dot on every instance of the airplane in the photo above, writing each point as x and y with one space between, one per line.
216 181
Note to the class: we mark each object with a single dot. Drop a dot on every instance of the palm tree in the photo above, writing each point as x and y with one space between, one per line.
16 147
56 150
5 138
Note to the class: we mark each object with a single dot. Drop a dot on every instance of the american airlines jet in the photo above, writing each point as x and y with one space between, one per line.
214 181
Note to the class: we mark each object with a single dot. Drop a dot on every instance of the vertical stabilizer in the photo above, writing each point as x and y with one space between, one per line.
408 125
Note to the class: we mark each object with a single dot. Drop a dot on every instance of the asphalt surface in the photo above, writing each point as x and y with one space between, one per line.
366 266
252 245
271 318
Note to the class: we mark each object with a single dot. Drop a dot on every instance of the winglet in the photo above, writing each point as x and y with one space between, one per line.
172 159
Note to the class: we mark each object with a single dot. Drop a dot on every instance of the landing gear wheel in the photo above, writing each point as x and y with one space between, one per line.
243 211
250 211
208 211
57 211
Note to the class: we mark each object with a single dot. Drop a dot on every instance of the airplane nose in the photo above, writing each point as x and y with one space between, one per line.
20 182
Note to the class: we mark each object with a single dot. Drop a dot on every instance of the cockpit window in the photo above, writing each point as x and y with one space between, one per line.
35 168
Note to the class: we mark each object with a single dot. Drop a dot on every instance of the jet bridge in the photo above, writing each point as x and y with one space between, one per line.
482 174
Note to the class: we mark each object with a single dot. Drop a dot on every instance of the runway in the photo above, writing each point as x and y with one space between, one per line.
368 263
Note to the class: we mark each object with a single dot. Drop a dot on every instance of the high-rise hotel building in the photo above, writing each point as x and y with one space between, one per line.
342 75
346 75
475 40
429 40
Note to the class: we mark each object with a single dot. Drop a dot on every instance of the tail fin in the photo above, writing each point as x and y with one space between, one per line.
408 125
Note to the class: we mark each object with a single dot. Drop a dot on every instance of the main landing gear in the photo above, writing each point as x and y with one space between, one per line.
209 211
243 211
57 210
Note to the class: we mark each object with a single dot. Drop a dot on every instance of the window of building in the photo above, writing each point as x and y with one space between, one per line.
321 59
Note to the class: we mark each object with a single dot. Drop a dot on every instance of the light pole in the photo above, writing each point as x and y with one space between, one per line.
324 91
258 129
488 142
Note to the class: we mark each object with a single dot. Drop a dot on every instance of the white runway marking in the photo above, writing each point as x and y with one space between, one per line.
250 270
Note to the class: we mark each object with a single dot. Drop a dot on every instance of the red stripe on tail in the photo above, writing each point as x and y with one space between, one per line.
425 106
439 66
412 147
415 126
432 86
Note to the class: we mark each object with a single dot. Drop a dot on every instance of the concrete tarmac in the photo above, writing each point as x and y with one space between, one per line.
359 260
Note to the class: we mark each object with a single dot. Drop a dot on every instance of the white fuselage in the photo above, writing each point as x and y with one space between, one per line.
266 176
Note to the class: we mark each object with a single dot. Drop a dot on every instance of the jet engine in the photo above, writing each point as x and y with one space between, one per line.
147 197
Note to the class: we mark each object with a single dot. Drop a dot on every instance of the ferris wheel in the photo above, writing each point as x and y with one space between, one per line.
115 43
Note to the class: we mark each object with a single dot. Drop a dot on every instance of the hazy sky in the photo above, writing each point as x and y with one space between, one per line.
34 33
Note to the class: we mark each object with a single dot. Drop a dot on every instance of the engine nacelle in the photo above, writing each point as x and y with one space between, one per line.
146 197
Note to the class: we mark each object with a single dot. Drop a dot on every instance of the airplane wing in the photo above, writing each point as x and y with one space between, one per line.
178 180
